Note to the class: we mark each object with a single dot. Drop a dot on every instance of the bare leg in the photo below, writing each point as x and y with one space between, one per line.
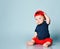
46 44
30 43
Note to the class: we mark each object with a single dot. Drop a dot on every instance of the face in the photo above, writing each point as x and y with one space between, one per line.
39 19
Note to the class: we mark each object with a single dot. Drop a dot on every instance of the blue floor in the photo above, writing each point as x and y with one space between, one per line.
16 43
54 46
25 47
19 41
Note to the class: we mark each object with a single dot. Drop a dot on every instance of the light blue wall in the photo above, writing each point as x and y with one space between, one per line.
17 23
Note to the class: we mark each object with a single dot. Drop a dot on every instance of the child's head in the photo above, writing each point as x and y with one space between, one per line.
39 17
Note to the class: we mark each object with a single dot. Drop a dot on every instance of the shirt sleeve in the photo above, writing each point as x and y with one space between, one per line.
35 29
46 23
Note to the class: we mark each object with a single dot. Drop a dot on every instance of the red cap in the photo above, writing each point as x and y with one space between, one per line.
39 12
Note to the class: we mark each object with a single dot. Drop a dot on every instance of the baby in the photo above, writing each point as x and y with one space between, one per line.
41 35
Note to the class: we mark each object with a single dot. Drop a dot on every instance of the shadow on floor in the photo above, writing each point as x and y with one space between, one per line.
56 37
37 47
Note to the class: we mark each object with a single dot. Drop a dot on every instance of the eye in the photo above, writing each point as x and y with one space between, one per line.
35 19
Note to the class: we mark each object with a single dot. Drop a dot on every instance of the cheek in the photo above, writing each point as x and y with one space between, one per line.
41 20
36 21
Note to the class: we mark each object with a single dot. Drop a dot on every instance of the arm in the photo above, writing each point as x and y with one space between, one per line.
47 19
35 34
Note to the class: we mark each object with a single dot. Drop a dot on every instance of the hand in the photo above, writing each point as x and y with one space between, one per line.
47 18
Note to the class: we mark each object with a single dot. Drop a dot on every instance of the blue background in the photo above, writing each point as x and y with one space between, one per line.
17 23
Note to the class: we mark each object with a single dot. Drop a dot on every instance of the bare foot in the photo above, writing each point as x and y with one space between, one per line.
47 44
30 43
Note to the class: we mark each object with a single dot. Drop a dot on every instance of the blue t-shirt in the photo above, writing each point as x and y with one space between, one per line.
42 31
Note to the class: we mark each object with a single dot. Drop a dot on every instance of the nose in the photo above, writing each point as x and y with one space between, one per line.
38 20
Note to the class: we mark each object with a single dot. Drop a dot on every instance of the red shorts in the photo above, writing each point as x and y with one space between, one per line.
38 41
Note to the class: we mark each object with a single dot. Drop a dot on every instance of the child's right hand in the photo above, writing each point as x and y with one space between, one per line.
35 34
